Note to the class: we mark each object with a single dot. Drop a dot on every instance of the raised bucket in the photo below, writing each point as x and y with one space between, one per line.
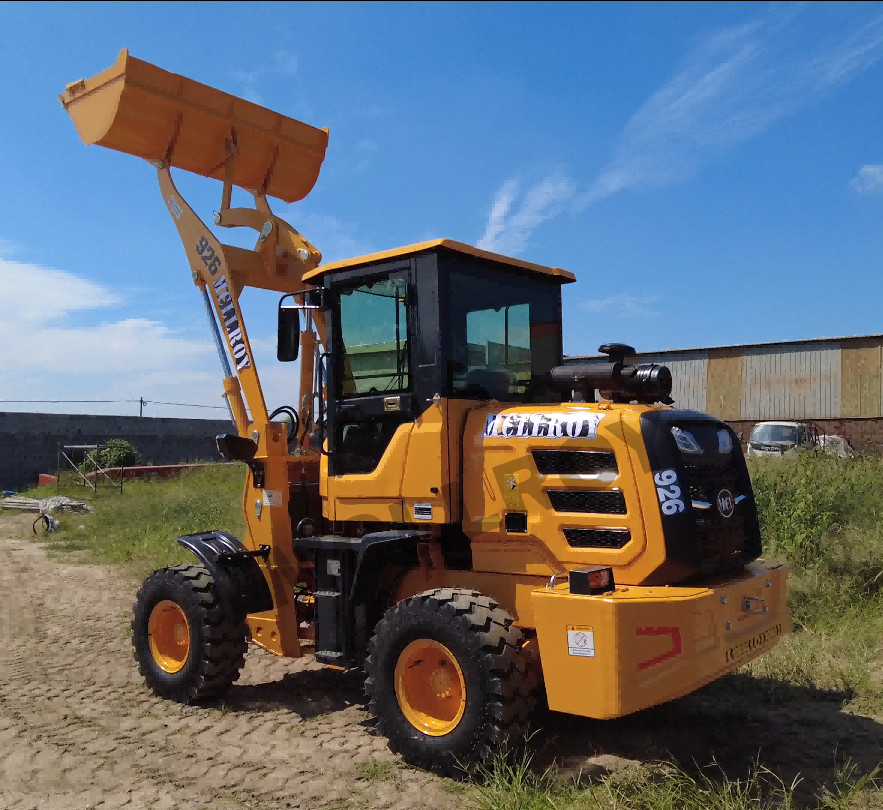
138 108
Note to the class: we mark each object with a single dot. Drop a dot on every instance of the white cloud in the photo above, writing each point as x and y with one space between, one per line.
513 217
733 85
33 293
52 358
48 358
624 305
869 180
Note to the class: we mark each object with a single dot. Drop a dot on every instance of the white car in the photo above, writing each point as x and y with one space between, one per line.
779 439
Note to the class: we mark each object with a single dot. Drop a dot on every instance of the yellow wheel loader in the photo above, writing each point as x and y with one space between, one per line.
448 505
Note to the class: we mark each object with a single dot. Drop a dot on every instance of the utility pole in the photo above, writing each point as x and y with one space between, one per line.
140 406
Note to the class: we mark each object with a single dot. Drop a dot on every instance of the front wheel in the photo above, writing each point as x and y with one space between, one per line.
447 679
187 649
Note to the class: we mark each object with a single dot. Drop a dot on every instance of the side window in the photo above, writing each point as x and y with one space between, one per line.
497 352
374 332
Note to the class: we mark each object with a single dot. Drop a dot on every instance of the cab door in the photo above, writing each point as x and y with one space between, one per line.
371 401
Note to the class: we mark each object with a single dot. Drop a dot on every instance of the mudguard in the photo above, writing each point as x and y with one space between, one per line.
241 586
377 551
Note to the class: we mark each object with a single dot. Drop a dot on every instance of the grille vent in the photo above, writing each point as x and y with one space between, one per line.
603 502
574 462
597 538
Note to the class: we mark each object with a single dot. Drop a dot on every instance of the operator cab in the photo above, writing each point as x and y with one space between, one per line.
435 320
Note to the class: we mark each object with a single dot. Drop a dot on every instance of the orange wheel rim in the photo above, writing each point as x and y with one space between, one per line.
169 635
430 687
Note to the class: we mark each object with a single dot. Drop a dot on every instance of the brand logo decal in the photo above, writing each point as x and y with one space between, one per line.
579 425
726 503
753 643
231 324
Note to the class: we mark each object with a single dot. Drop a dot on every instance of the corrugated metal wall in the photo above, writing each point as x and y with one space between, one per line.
791 382
688 373
824 379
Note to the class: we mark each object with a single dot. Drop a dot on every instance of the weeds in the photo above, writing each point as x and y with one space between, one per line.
822 514
139 525
509 782
377 770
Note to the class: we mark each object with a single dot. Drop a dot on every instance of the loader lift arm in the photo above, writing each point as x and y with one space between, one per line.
172 121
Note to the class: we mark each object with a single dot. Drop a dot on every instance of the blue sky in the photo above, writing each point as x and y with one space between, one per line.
711 172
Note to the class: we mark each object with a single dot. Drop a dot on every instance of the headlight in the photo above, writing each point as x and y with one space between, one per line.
686 441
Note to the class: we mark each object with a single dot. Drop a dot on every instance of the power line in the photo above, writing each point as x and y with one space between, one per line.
182 404
108 401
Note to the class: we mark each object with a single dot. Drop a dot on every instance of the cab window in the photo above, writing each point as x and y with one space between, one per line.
374 338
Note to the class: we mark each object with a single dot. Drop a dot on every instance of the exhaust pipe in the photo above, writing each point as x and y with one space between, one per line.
645 382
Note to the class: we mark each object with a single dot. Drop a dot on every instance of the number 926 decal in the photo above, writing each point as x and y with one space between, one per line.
669 491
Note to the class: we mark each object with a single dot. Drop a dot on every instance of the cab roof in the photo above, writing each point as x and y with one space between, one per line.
562 276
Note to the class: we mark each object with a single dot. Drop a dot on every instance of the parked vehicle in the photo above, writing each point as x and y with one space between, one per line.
781 439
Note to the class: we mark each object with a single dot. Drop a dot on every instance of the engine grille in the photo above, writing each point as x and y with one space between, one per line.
574 462
597 538
603 502
722 541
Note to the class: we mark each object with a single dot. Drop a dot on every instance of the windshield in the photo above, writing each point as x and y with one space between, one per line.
774 433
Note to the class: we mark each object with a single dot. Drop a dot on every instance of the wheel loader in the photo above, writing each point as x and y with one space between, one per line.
444 503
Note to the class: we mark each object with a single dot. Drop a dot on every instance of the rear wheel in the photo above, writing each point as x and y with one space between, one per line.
187 649
447 679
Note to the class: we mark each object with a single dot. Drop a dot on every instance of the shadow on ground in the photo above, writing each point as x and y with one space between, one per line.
307 692
733 724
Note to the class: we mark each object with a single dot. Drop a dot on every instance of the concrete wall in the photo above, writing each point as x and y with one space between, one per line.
29 441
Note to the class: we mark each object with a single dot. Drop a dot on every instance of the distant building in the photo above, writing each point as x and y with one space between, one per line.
836 383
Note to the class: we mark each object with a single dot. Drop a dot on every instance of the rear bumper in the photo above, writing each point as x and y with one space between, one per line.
609 655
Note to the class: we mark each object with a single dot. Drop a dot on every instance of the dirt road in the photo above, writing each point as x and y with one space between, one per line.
78 728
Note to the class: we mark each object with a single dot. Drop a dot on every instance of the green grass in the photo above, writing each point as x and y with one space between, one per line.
823 515
510 782
377 770
139 525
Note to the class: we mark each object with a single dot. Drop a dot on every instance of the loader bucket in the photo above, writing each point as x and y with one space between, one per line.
140 109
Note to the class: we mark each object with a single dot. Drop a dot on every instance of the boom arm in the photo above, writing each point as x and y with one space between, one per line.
172 121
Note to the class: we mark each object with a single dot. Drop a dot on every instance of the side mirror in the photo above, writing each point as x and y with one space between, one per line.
288 337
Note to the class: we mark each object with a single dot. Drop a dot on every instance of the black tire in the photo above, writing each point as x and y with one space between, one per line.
213 644
500 679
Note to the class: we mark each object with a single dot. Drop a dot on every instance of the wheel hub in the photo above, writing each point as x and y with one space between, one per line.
169 635
430 687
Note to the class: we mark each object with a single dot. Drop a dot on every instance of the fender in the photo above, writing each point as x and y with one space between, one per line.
239 581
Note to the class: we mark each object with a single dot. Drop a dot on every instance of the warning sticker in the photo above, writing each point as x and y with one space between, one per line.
580 641
272 497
